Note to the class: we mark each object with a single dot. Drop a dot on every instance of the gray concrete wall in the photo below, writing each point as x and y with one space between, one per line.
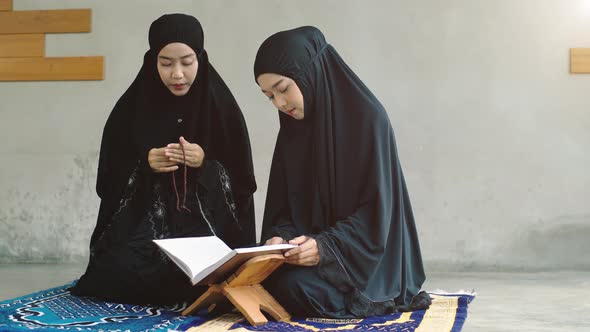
493 131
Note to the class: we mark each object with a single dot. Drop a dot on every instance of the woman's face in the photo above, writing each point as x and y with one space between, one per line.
284 94
177 66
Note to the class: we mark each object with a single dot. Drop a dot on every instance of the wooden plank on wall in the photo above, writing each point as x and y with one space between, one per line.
5 5
52 69
22 45
580 60
45 21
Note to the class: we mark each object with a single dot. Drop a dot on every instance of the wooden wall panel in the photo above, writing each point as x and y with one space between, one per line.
5 5
580 60
22 45
45 21
51 69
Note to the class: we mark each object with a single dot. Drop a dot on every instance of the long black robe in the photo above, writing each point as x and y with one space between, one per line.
336 176
138 205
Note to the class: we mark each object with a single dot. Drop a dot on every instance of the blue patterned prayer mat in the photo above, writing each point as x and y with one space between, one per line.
56 309
447 313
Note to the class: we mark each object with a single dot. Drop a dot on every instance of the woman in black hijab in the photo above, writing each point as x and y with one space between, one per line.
175 161
336 188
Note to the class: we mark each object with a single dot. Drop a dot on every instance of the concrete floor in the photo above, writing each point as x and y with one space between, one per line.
548 301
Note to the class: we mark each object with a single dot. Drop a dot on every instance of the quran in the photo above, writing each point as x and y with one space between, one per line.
207 260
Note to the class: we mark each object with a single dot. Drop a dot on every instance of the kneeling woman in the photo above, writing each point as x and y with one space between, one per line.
171 147
336 188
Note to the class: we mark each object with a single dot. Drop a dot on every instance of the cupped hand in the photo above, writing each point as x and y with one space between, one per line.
159 163
193 154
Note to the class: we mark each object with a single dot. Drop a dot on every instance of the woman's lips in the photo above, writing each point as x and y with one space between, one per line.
178 86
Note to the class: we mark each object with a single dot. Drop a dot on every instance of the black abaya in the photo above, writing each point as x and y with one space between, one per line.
138 205
336 177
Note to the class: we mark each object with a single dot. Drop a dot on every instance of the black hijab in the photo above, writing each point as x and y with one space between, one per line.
149 116
157 105
336 176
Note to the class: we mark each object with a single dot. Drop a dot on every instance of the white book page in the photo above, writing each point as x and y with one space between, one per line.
271 247
195 254
223 269
252 251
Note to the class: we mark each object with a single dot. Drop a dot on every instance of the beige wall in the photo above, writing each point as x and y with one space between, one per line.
493 132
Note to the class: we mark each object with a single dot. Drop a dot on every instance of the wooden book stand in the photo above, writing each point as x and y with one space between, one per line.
244 291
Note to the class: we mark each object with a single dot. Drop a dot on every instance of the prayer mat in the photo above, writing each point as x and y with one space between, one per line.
56 309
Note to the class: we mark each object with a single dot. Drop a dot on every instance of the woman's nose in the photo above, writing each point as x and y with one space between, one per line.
280 102
176 73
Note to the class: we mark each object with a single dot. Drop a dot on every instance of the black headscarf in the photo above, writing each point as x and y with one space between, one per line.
149 116
157 105
336 176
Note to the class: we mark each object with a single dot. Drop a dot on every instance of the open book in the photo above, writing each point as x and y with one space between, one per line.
208 260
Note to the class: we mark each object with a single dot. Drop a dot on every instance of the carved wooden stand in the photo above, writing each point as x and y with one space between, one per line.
244 291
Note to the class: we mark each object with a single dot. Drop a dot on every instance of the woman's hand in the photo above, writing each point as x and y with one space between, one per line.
305 254
159 162
275 240
193 153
